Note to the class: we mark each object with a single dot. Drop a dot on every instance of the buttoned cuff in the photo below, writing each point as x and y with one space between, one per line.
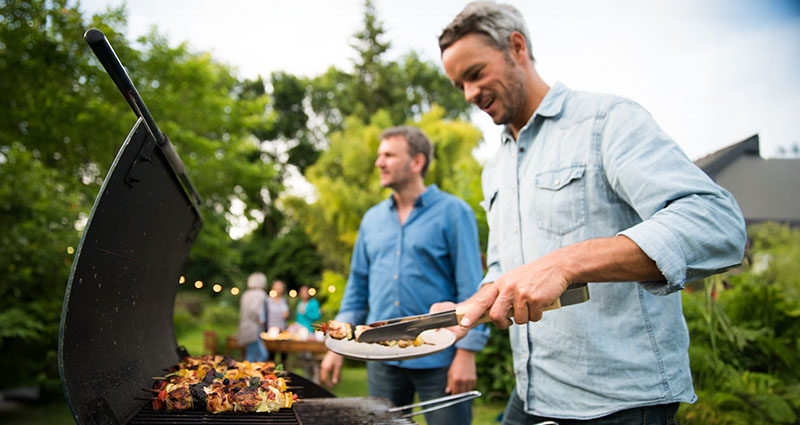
658 243
475 339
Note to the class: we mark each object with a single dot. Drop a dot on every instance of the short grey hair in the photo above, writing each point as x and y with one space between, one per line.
257 281
494 22
417 143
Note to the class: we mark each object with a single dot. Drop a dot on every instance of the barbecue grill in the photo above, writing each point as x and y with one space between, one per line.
116 324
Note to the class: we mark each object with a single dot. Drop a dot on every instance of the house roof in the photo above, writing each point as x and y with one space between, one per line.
766 189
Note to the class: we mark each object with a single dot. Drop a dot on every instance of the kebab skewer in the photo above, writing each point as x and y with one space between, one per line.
220 384
343 330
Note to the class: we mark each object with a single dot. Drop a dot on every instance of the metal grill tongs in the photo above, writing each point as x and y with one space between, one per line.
446 401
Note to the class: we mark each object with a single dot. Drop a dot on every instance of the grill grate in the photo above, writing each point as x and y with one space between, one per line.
152 417
355 411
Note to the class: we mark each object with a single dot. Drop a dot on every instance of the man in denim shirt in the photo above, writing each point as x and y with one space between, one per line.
585 187
416 248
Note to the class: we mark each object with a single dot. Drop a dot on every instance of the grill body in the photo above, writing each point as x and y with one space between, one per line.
116 324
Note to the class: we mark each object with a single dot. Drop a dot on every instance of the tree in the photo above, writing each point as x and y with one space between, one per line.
61 122
405 89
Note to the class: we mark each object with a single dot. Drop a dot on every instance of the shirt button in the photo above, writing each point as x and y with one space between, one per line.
396 303
397 252
522 149
515 230
394 277
557 182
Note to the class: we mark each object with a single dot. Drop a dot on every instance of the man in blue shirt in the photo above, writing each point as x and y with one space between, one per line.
414 249
585 187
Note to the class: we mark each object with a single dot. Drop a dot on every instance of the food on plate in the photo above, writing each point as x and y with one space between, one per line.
220 384
343 330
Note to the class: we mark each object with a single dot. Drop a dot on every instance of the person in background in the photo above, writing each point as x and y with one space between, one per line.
585 187
252 318
307 309
416 248
277 307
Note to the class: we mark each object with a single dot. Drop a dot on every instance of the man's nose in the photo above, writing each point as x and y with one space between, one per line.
471 92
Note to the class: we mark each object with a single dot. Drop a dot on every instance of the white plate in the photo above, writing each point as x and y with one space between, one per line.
435 340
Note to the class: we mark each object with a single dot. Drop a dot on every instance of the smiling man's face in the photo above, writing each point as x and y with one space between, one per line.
489 79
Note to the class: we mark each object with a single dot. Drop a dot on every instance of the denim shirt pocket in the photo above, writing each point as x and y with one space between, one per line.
560 203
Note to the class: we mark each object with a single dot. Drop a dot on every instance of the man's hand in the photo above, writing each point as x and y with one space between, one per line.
528 289
461 376
458 330
330 368
478 304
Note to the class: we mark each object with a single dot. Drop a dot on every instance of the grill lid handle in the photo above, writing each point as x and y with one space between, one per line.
108 58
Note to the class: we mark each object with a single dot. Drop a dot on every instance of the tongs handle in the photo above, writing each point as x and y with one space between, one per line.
446 401
576 293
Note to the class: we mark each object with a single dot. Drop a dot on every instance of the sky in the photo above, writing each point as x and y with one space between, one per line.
711 72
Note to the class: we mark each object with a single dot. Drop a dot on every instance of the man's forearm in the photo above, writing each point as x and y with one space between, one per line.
606 260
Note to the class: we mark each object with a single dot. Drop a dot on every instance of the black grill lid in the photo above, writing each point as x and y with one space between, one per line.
116 325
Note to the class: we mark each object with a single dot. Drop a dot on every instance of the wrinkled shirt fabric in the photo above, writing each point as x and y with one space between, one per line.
402 269
587 166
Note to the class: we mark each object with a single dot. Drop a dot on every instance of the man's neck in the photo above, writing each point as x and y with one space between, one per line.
405 197
536 90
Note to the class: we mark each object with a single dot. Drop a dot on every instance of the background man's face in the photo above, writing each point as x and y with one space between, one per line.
394 162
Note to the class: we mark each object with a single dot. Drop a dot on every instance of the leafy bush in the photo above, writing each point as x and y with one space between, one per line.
746 336
495 367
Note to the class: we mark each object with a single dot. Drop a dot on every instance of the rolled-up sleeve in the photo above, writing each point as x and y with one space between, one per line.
692 228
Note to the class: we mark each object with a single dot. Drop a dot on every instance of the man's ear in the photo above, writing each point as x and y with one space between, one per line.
417 162
517 46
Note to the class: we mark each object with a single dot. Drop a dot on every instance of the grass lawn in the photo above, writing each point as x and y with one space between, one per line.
353 383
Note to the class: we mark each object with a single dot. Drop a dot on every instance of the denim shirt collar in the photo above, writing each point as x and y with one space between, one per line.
421 200
550 106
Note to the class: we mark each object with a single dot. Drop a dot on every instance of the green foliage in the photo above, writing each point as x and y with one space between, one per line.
62 120
330 304
289 257
745 336
495 367
405 89
36 214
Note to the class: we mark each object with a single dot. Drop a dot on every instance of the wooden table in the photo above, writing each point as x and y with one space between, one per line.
305 355
295 346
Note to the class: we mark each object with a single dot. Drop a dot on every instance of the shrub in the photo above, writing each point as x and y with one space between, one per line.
746 336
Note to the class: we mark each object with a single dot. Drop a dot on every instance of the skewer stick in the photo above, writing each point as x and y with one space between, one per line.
146 398
151 390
